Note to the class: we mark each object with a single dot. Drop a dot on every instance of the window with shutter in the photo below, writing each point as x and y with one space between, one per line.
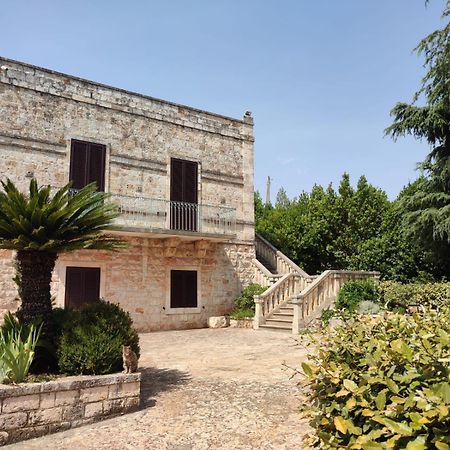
82 286
183 289
87 164
183 195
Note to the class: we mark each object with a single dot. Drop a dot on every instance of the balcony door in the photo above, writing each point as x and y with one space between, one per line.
183 195
87 164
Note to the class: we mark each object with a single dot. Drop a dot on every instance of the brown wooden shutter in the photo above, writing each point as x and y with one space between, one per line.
87 164
78 164
97 156
183 289
176 180
190 182
82 286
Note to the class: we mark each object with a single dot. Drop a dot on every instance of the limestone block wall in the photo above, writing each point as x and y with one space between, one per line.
41 111
138 278
36 409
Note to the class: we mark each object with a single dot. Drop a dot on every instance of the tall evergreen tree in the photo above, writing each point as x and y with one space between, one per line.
427 208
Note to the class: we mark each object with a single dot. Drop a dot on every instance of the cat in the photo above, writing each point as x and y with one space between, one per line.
130 360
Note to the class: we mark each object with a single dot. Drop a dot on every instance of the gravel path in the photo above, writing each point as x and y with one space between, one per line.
204 389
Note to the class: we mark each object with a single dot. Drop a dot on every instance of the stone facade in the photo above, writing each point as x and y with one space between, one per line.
32 410
42 111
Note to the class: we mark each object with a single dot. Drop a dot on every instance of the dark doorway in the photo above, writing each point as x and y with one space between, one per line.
183 195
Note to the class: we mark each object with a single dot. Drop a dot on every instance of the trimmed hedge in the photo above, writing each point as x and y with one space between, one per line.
382 382
400 296
90 340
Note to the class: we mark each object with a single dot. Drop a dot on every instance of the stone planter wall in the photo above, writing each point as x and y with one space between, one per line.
36 409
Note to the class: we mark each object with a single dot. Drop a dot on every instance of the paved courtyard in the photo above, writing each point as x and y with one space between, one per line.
204 389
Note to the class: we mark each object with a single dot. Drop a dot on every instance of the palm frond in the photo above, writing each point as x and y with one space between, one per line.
58 222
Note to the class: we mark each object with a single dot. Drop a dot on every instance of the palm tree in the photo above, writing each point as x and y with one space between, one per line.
39 226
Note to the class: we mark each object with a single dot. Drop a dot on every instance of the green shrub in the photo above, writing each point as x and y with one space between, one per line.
382 382
90 340
326 315
242 314
355 291
400 296
245 300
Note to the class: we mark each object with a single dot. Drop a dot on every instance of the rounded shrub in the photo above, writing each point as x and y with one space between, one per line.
382 382
245 300
356 291
90 340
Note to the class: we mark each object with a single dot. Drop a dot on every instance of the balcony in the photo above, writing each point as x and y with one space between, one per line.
148 215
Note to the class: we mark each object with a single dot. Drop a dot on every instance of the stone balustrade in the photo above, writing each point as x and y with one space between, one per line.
264 277
320 294
277 295
277 259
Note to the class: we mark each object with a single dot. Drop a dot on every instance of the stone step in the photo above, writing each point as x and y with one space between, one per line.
286 311
282 328
279 318
281 323
282 315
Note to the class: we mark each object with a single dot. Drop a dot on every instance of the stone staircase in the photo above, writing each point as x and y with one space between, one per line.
293 298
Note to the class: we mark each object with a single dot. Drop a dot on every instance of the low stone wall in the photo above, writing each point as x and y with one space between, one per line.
241 323
36 409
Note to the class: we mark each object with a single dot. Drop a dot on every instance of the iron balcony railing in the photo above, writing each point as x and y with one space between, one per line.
155 215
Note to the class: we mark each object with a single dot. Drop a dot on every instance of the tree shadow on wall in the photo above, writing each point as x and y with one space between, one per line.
155 380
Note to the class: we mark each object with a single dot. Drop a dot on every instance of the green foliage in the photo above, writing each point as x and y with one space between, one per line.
17 349
90 340
351 228
426 209
400 296
242 314
245 300
383 382
61 222
326 315
354 292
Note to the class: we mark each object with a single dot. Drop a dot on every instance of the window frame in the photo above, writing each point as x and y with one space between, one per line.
189 310
106 159
68 267
60 270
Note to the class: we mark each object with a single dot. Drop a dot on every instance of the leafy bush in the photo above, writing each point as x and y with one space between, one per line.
17 349
326 315
383 383
355 291
242 314
245 300
400 296
90 340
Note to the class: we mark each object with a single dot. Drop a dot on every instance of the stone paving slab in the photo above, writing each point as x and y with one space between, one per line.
204 389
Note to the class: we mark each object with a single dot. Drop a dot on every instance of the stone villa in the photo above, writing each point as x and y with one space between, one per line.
183 179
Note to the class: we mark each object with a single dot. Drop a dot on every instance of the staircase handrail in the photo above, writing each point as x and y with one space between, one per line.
277 295
264 276
291 264
306 306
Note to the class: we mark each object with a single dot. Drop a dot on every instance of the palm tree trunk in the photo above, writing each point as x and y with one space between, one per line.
34 274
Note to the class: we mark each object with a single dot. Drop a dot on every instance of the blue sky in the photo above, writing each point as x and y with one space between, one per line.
319 76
